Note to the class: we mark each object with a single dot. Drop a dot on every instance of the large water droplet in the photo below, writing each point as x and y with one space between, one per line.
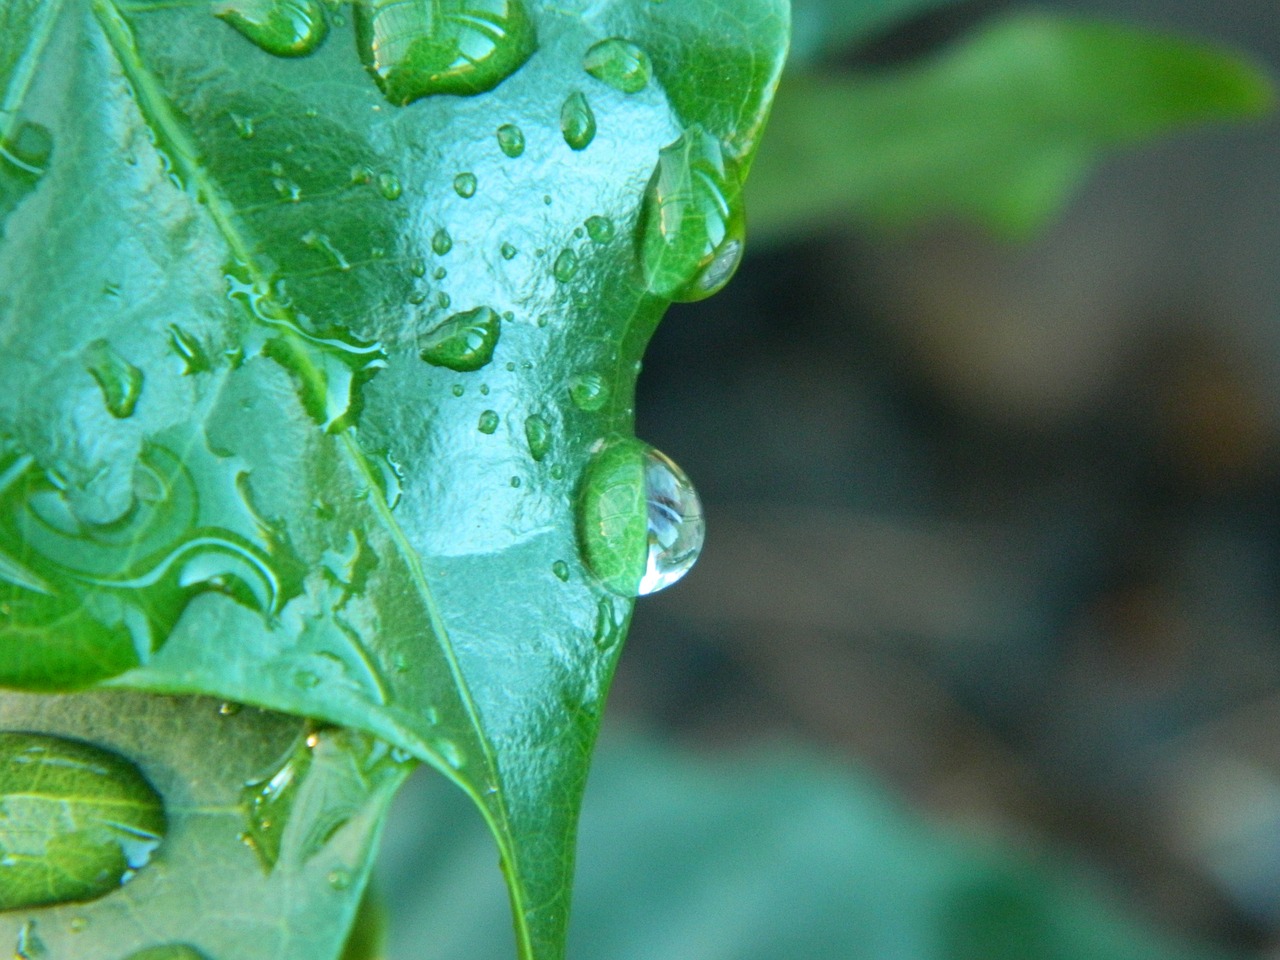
76 821
588 392
389 186
691 223
488 422
119 380
415 48
511 140
640 522
577 122
538 434
286 28
566 266
441 242
619 63
465 341
169 951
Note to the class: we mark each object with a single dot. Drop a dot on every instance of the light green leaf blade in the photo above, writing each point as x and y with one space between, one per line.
826 26
204 887
999 130
223 457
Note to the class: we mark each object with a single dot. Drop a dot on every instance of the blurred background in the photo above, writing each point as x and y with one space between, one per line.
982 656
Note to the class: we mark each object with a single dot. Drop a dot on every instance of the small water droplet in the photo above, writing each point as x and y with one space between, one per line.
322 243
71 803
457 389
608 628
577 122
619 63
691 222
464 185
566 266
194 358
168 951
339 879
464 342
484 389
418 267
228 708
119 380
461 47
77 924
557 472
488 422
561 570
508 251
443 299
306 679
450 753
599 229
515 481
640 522
285 28
287 189
588 392
441 242
389 186
538 434
511 140
361 175
244 126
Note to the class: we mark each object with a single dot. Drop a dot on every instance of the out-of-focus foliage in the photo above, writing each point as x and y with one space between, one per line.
999 130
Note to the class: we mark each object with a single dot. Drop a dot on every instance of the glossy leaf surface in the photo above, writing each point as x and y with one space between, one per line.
999 129
205 892
240 454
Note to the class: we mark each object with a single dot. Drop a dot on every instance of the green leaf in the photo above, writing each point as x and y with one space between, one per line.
205 889
824 26
300 384
999 130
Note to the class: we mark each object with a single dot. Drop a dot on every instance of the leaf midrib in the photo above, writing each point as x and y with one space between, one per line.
156 111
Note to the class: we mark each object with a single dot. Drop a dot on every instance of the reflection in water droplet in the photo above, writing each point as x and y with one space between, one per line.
464 185
285 28
511 140
441 242
691 223
640 522
389 186
538 433
169 951
76 821
194 358
566 266
464 47
464 342
599 229
619 63
577 122
561 570
588 392
488 422
119 380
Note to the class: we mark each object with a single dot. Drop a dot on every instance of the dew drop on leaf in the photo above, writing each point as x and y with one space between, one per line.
464 342
566 266
76 821
389 186
508 251
464 185
561 570
488 422
24 157
599 229
119 380
640 524
416 48
511 140
245 129
691 223
285 28
538 434
194 357
321 243
339 879
619 63
169 951
588 392
577 122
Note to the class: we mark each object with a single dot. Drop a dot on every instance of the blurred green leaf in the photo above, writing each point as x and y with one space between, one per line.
999 130
764 855
821 26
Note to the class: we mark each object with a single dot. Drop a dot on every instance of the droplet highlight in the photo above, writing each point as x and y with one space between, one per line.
284 28
118 379
416 49
464 342
619 63
692 228
640 523
76 821
577 122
